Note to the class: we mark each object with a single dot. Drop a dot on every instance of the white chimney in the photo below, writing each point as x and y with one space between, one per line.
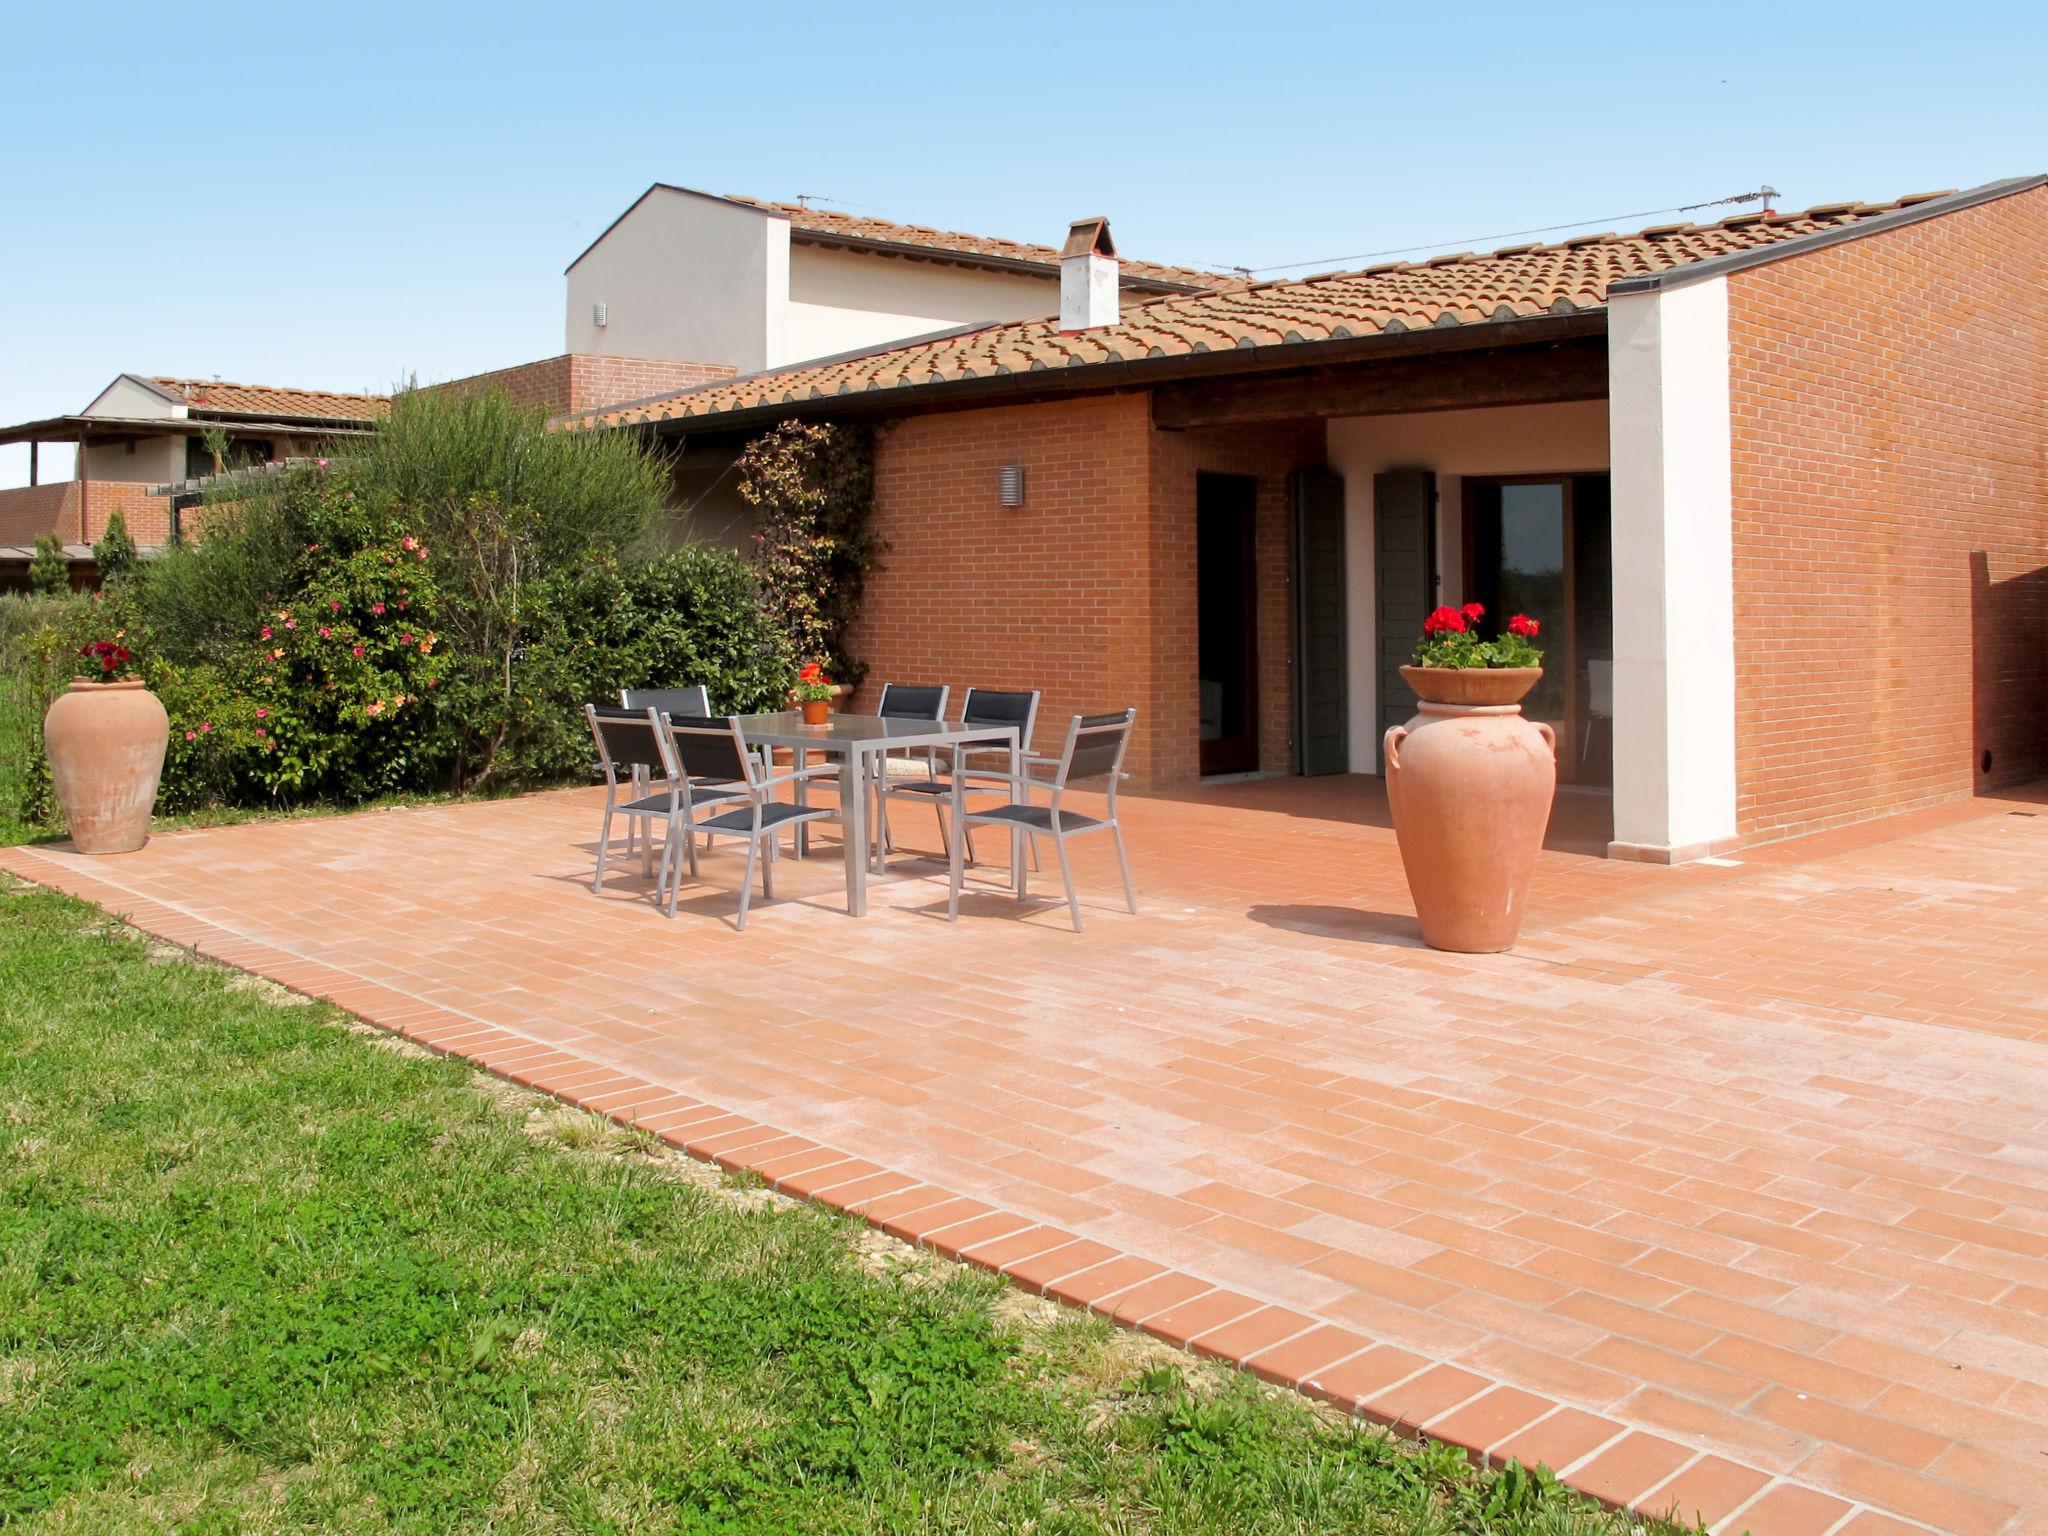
1088 285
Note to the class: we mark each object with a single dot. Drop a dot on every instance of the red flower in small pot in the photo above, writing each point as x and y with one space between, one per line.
813 693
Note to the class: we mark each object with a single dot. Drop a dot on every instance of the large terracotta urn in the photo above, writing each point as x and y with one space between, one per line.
106 747
1470 782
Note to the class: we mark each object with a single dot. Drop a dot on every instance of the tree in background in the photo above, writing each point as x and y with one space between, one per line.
115 553
49 570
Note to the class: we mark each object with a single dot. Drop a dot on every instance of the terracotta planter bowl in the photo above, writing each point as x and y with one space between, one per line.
105 742
1470 782
1471 685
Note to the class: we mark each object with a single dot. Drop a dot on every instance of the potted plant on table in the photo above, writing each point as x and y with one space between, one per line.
814 693
105 740
1470 781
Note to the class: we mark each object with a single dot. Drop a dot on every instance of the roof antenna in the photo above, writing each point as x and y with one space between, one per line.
1765 194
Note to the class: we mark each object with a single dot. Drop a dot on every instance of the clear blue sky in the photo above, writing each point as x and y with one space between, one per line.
337 197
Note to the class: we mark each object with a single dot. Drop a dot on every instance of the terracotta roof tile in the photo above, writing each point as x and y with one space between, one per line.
220 399
829 224
1512 283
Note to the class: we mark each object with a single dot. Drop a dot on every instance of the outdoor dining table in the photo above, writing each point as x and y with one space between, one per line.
860 741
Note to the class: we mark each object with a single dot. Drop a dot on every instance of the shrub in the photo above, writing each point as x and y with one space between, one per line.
115 553
49 570
813 486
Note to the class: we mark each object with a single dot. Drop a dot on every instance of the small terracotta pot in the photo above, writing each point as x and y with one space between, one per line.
1469 782
816 711
105 742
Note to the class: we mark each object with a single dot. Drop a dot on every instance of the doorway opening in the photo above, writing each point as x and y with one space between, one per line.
1542 545
1226 618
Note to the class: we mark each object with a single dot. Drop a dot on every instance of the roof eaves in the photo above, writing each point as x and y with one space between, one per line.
663 186
1801 245
989 260
1113 373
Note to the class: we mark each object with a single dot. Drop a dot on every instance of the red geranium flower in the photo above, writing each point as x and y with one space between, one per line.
1445 621
1521 624
811 673
1474 612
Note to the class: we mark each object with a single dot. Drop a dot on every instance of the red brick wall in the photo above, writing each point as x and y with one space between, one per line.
581 382
1087 591
1891 519
1053 595
602 381
31 510
28 511
544 383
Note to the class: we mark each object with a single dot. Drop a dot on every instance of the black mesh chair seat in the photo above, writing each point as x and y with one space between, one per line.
700 794
1037 818
776 813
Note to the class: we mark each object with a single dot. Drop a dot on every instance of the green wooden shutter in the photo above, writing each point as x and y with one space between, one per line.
1404 578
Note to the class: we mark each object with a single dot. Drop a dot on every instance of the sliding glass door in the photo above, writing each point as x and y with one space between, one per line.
1540 545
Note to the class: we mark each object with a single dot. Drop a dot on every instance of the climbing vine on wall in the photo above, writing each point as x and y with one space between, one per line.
812 486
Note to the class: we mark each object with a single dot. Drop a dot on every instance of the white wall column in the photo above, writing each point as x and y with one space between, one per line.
1674 585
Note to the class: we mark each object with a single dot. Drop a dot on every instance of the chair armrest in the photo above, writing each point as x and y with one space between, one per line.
823 770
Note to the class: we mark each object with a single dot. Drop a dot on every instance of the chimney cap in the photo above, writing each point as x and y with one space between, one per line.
1089 237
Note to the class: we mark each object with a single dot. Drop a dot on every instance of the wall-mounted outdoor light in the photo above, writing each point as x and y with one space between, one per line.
1010 485
599 315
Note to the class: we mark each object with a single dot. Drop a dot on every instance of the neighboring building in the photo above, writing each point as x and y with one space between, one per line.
141 432
1777 488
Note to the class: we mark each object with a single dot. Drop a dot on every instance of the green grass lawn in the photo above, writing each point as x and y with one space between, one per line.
263 1270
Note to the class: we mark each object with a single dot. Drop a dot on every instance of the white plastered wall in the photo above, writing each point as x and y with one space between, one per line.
841 300
1674 589
687 278
153 460
1502 440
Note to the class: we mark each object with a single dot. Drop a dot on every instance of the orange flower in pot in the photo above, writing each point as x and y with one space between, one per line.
1470 781
105 740
814 692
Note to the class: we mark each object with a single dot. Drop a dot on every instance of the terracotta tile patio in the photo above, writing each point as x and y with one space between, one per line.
1727 1193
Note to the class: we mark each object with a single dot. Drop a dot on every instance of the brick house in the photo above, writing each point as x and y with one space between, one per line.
144 432
1775 486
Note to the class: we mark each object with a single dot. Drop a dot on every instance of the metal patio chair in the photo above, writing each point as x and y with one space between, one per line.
713 752
692 700
638 740
1095 748
986 707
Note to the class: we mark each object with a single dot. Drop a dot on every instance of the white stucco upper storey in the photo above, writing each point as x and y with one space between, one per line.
687 276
